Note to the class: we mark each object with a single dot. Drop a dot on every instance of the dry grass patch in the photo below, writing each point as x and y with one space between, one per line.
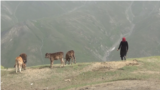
114 65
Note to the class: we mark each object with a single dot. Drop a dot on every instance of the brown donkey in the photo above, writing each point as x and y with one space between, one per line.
70 55
19 64
55 56
24 57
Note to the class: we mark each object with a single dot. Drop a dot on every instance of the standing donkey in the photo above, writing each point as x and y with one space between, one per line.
55 56
24 58
70 55
19 64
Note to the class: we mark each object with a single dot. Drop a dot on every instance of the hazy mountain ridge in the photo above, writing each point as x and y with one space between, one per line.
92 29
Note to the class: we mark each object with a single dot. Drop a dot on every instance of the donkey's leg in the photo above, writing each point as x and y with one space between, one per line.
51 64
20 68
24 66
69 61
65 61
16 67
74 59
62 62
51 61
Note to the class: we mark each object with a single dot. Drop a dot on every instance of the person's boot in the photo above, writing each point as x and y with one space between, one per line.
122 58
125 58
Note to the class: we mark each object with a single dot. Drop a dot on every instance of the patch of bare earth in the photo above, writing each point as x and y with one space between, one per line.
124 85
114 65
36 74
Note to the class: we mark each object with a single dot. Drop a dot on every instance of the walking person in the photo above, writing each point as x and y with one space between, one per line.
123 48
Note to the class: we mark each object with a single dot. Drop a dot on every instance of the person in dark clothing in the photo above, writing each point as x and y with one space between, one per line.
123 48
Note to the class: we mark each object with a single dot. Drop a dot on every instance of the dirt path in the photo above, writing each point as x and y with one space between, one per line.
124 85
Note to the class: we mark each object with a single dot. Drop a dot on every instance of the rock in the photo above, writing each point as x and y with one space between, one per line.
67 80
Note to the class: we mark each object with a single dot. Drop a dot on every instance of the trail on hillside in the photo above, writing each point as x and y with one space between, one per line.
154 9
130 19
16 10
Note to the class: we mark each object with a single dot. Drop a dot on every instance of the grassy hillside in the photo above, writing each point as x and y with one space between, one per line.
81 74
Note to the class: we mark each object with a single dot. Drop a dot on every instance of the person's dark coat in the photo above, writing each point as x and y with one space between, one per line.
123 47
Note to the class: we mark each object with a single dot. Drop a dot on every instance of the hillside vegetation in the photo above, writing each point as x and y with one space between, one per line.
142 72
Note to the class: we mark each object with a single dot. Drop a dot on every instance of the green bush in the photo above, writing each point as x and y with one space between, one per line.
2 67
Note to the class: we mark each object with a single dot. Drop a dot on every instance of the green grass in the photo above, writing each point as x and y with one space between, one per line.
2 67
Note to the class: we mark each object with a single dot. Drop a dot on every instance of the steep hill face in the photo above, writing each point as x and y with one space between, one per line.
92 29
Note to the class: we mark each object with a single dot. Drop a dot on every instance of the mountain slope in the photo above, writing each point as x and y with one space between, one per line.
92 29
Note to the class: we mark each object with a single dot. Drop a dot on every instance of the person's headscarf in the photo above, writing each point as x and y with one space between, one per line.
123 39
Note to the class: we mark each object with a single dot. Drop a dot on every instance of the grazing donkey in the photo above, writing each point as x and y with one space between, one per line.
70 55
24 57
19 64
55 56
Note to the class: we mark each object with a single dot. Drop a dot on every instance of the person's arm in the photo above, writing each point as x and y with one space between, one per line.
119 46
